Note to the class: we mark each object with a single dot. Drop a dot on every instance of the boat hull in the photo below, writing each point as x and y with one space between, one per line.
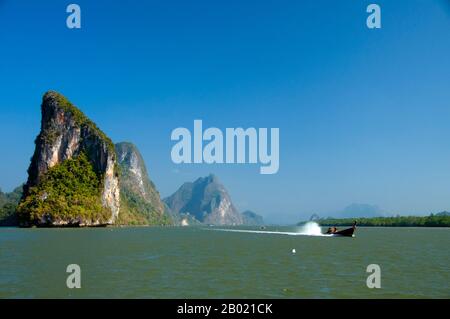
345 232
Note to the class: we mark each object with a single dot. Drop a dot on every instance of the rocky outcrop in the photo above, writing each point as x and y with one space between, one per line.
140 201
252 219
65 134
206 200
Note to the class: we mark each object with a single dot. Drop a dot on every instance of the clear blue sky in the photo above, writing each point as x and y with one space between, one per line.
364 115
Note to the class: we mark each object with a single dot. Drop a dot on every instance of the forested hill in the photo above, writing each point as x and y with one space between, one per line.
434 220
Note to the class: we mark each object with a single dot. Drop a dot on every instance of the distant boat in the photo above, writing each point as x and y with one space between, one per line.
345 232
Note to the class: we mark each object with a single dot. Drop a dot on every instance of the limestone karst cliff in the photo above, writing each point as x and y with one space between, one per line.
73 176
140 201
207 201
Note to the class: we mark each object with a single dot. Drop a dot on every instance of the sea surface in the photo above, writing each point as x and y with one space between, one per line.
208 262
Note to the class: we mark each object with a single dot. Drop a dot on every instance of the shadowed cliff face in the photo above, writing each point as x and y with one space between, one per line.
207 200
141 202
66 133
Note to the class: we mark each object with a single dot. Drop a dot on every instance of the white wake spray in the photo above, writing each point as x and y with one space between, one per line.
309 229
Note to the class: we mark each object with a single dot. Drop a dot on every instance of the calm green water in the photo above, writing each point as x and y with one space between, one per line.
204 263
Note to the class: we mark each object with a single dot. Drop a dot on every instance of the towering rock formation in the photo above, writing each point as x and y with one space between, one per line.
140 201
206 200
73 177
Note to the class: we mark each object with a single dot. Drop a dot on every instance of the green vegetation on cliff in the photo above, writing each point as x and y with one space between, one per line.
134 210
140 202
69 191
438 220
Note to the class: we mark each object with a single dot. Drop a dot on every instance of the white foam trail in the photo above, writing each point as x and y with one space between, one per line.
309 229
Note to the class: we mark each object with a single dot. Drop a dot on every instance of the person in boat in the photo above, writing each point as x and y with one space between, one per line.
331 230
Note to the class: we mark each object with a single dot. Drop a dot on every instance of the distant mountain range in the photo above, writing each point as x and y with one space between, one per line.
359 210
207 201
